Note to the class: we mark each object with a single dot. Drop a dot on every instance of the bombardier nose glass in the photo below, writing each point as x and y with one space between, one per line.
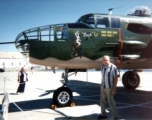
44 33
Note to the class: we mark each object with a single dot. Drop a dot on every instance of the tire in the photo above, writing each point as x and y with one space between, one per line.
130 80
62 97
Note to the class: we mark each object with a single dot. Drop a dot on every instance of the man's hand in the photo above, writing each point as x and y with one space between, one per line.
113 90
114 85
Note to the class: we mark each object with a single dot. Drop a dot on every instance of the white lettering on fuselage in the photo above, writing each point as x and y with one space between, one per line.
87 34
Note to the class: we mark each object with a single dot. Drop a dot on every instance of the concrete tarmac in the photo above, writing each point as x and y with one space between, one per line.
34 104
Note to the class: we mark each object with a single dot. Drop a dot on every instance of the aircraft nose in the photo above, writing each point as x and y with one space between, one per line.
23 40
22 44
26 39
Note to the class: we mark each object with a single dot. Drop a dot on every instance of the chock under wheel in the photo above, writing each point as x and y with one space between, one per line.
53 106
72 104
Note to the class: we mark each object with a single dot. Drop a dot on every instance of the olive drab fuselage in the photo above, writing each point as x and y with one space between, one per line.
92 36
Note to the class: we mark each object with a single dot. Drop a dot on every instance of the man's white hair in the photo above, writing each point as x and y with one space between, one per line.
106 57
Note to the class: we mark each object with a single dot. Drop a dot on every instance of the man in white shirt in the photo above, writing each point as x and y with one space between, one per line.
108 87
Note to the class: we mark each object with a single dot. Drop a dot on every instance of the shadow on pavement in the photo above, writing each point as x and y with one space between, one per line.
131 104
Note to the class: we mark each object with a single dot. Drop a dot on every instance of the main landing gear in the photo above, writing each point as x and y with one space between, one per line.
63 96
130 80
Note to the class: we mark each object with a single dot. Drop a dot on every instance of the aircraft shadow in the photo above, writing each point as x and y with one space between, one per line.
131 104
75 85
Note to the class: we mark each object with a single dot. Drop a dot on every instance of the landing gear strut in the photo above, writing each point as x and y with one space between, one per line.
63 96
131 80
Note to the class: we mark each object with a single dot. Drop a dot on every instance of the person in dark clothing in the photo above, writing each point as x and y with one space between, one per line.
32 69
22 78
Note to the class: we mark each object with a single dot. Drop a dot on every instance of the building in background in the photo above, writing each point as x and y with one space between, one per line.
14 61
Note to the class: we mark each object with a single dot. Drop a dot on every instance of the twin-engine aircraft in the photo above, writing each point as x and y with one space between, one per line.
81 45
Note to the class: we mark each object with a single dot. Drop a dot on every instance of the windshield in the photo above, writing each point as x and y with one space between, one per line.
87 19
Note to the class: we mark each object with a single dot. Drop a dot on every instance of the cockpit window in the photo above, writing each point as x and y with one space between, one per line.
115 22
87 19
102 22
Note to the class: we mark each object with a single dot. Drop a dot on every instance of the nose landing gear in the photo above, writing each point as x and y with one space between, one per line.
63 96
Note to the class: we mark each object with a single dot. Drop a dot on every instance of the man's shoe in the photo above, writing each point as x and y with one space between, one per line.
116 118
102 117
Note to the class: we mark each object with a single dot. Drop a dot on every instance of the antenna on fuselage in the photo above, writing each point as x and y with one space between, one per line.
110 9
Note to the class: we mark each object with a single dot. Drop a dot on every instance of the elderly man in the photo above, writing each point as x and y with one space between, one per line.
108 87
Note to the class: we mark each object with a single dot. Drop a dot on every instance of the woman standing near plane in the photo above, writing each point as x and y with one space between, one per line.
22 78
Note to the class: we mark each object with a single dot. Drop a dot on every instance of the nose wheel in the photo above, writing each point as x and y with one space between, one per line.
62 97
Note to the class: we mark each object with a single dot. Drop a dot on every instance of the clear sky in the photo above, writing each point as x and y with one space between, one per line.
20 15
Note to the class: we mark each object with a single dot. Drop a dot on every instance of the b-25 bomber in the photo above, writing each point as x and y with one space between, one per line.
81 45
